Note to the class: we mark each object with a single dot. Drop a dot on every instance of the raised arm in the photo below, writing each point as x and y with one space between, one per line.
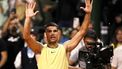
33 44
7 23
77 38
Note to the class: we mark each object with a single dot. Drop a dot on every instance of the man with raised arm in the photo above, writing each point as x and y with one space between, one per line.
54 55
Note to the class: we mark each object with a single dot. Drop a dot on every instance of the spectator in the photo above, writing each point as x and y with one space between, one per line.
90 37
11 35
74 55
79 46
116 60
116 23
26 58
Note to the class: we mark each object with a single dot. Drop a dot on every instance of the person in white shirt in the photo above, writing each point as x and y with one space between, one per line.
116 62
26 58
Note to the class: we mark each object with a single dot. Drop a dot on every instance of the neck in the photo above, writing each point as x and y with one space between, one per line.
52 45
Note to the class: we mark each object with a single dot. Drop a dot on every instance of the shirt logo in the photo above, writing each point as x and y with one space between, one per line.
52 52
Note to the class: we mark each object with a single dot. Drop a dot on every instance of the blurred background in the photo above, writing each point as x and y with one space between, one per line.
106 15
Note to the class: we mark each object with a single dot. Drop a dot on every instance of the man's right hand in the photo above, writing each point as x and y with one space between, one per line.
30 10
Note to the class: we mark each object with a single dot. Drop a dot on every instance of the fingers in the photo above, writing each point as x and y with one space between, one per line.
30 9
34 5
91 3
36 12
31 5
82 8
88 2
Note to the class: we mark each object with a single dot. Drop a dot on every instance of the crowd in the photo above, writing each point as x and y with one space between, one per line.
37 34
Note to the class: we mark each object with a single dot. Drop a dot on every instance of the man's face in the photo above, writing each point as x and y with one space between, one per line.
52 34
88 40
13 27
119 36
13 23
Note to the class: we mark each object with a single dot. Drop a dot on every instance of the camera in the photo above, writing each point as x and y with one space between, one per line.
96 57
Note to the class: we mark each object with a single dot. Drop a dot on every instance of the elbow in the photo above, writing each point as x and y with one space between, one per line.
37 51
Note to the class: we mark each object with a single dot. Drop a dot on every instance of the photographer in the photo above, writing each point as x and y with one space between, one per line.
11 34
89 55
116 62
88 38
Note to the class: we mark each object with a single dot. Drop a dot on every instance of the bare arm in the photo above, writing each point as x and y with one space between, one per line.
33 44
77 38
3 58
5 26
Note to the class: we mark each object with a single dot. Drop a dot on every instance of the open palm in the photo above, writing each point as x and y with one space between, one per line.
30 10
